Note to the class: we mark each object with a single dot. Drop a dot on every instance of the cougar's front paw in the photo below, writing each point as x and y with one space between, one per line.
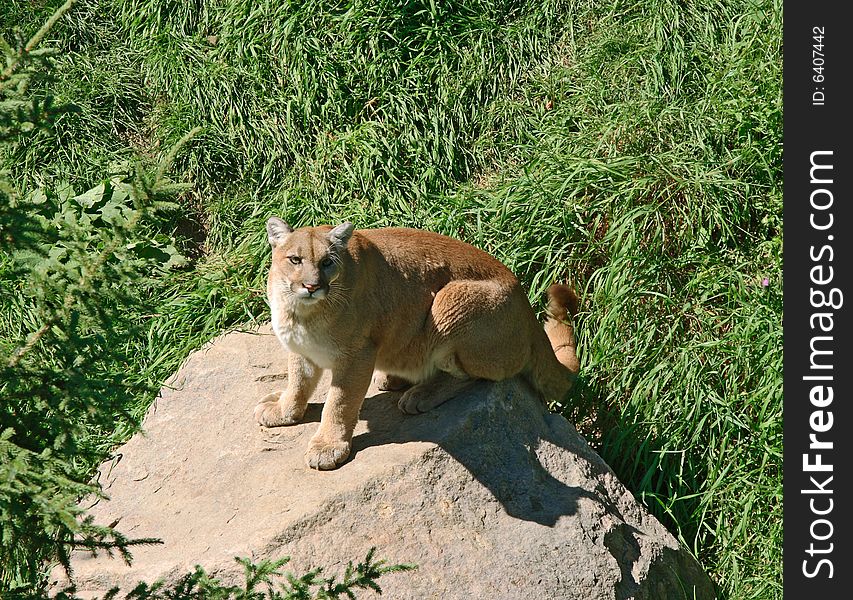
326 455
269 412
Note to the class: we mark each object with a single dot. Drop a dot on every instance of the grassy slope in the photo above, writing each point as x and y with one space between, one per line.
634 148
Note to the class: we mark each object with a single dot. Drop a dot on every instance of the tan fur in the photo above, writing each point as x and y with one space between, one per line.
414 305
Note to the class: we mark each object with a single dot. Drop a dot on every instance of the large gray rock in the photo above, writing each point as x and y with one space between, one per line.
491 496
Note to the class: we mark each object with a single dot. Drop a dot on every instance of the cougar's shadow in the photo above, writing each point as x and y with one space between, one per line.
509 468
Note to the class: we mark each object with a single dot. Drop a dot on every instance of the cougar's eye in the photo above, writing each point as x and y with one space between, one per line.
296 260
326 262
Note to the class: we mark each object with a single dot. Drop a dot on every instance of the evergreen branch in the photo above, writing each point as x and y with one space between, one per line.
167 161
141 191
33 42
70 296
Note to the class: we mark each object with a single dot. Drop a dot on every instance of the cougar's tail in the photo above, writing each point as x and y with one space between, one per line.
555 368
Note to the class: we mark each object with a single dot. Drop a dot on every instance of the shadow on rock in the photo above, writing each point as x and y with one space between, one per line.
506 460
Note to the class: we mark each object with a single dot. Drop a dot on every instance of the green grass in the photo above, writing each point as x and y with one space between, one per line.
633 148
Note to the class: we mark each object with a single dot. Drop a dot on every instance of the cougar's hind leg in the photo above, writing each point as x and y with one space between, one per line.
481 333
436 390
492 340
390 383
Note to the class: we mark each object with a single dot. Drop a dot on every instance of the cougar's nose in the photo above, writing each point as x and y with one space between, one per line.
311 287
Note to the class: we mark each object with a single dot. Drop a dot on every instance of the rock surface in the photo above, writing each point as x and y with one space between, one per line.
491 496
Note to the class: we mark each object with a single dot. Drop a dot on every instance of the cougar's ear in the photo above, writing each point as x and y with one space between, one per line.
277 231
340 235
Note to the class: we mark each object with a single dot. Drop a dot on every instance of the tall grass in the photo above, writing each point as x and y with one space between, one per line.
632 148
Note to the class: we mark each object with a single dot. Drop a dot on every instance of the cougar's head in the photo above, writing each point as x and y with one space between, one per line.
307 261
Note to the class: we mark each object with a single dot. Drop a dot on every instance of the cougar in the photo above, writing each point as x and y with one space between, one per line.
425 309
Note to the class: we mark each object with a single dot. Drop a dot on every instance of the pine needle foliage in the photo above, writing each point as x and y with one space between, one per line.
263 581
69 265
73 268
